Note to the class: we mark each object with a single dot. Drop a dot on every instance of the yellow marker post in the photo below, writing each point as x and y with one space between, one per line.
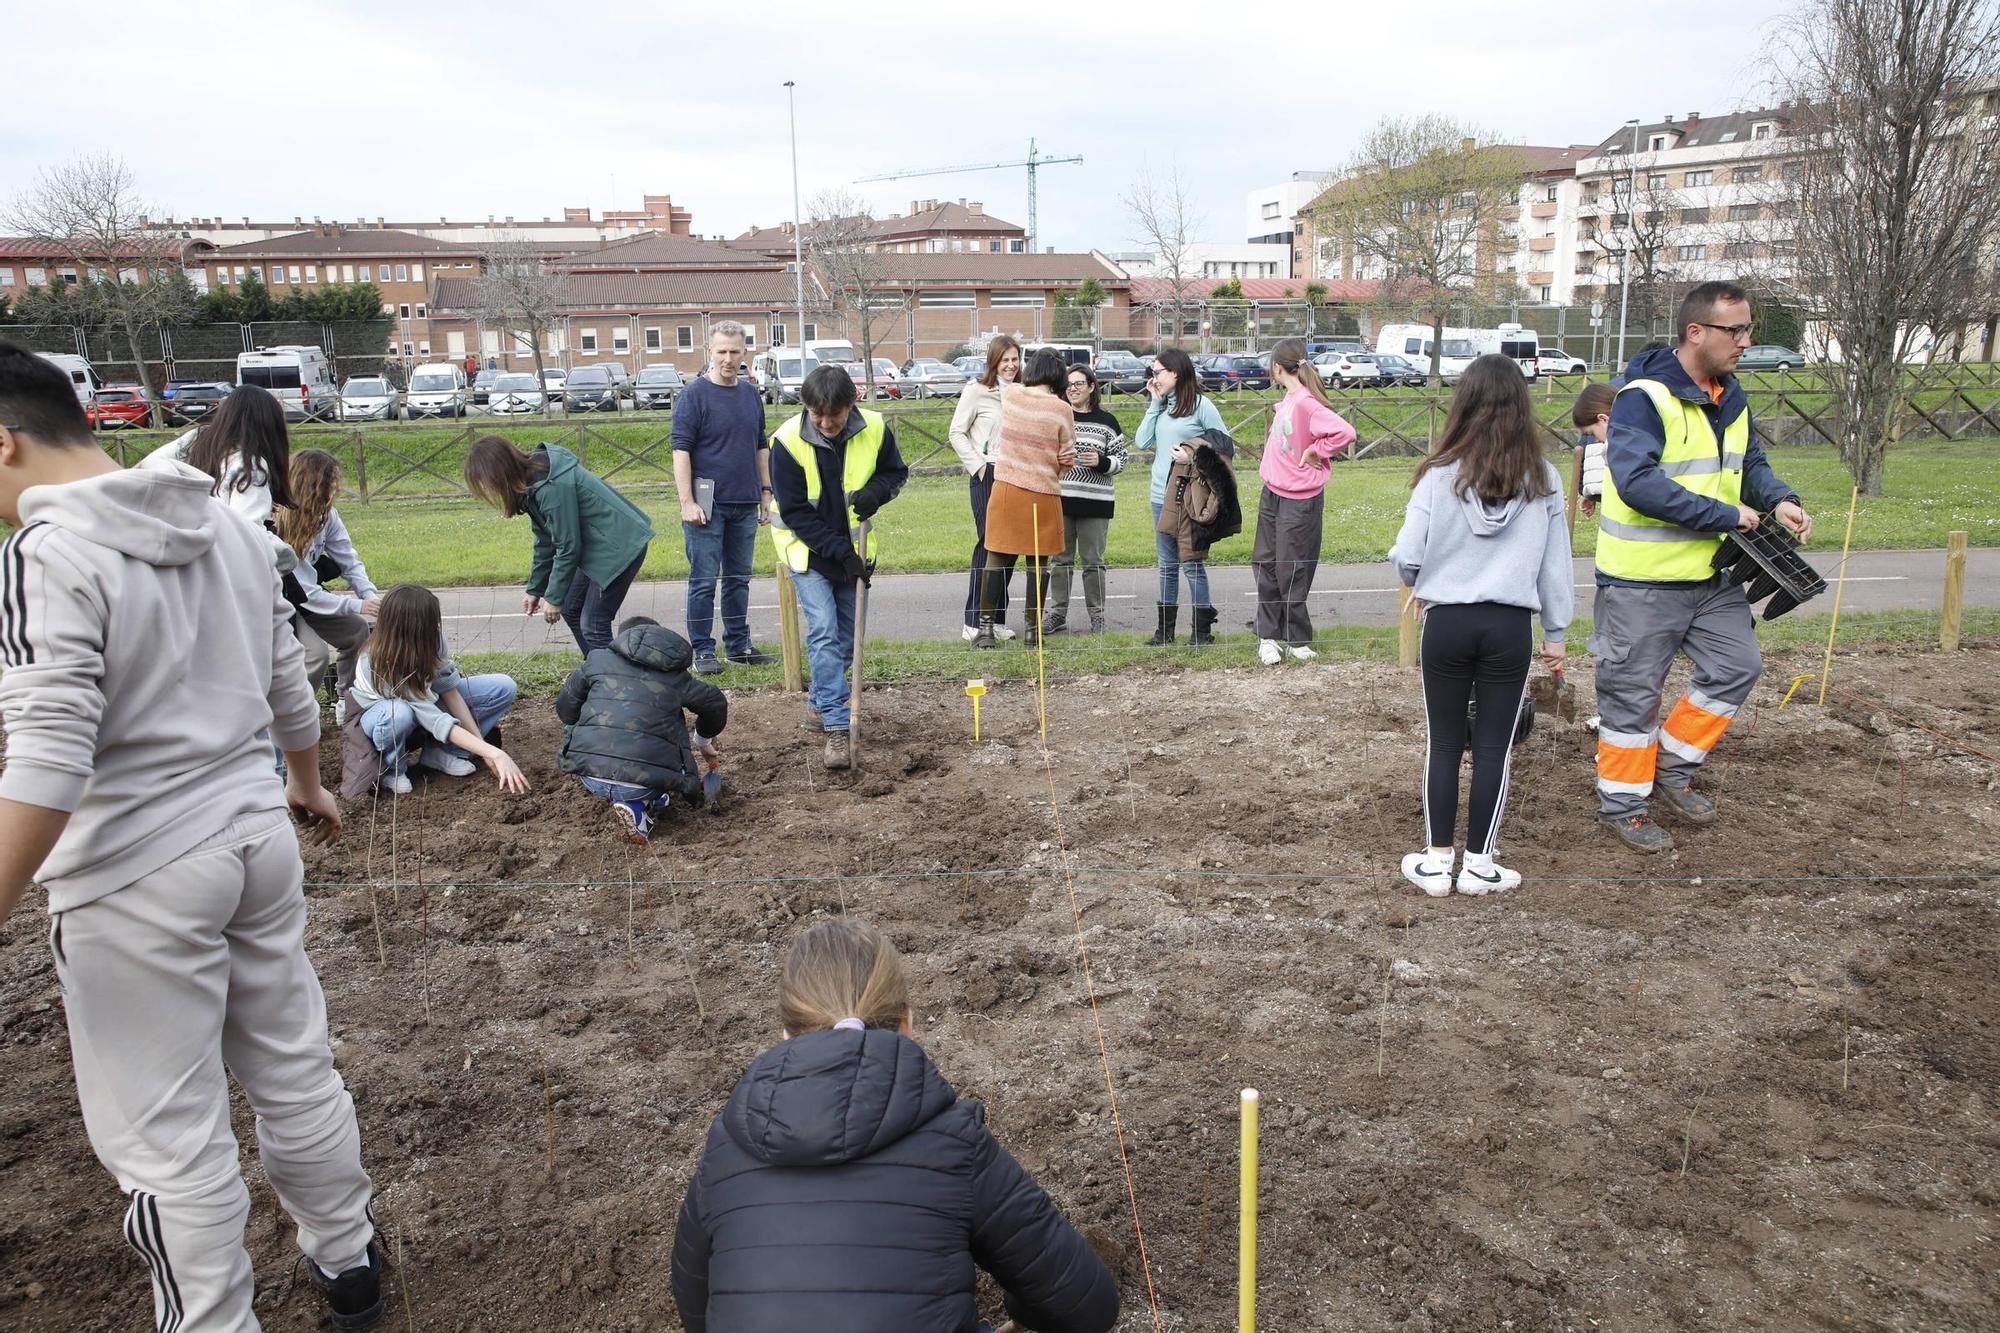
1796 682
973 690
1826 668
1246 1238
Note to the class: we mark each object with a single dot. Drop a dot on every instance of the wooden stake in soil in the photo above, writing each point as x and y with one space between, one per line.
1382 1023
549 1101
374 891
1846 1031
424 903
403 1278
1954 592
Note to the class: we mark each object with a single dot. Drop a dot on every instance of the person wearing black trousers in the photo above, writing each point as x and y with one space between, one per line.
1485 546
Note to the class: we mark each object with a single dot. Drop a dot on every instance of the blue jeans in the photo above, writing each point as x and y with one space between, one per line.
1168 548
588 610
391 724
829 612
623 791
722 547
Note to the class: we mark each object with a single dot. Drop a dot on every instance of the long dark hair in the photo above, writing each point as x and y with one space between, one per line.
250 422
1187 384
403 654
497 472
1492 435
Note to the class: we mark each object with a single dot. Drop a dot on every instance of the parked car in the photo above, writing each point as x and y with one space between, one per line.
1401 371
932 379
1208 370
299 376
1770 356
437 389
189 402
1120 372
971 366
886 374
657 386
859 374
369 398
512 394
553 379
778 375
621 379
482 386
912 363
1242 372
1348 370
1550 361
1336 345
117 405
590 389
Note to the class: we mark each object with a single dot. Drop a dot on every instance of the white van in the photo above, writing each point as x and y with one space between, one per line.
1461 347
298 376
779 374
830 352
1073 354
437 389
82 375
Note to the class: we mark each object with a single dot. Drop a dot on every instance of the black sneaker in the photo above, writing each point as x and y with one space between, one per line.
708 664
755 657
354 1299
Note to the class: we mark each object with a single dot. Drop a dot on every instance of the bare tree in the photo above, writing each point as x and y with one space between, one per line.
88 211
1897 207
1164 222
840 243
1421 204
1641 241
517 292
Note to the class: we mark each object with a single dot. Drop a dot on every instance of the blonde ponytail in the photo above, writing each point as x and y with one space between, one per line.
842 969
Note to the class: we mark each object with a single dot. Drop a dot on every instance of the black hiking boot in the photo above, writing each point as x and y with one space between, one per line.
1685 802
1639 832
1163 634
1203 632
354 1299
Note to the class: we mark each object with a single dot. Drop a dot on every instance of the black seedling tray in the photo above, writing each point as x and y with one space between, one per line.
1768 560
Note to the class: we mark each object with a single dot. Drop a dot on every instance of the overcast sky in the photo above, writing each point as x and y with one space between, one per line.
363 108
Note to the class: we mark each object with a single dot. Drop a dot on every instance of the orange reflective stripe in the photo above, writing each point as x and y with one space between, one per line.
1695 726
1620 763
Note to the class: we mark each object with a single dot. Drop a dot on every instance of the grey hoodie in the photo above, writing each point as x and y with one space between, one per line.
1456 551
145 644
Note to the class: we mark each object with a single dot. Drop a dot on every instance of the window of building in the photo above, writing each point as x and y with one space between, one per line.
652 340
1019 300
1693 252
553 341
684 338
1621 219
621 340
777 331
1658 143
1763 129
1656 180
416 273
347 273
524 344
1744 212
1698 178
1794 169
489 342
993 247
37 277
454 344
947 299
1016 247
381 272
1694 217
939 246
241 273
1746 175
409 350
6 277
749 337
422 311
810 332
1738 250
402 273
586 341
1543 293
1271 209
1549 195
312 273
1469 199
295 273
66 277
403 311
423 349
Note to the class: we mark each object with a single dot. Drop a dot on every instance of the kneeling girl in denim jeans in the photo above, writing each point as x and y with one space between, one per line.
408 689
624 726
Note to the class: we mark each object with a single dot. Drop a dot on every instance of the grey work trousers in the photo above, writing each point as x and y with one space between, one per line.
1284 560
1637 634
1083 544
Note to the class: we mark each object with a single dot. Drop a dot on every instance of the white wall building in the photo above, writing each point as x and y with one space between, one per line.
1268 212
1203 260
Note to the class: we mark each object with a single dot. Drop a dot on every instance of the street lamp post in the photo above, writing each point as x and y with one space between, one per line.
1625 251
798 239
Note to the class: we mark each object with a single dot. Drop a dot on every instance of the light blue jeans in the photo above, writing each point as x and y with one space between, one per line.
1168 548
391 724
829 612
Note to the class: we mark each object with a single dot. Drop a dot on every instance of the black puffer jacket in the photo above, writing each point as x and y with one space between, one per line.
847 1189
622 712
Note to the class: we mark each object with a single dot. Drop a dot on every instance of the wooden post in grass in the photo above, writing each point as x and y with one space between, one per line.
1575 489
1406 629
360 464
789 638
1954 592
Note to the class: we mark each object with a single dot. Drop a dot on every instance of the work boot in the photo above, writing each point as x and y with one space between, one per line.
1639 832
1163 634
1097 622
1203 632
1031 633
836 756
986 637
1686 802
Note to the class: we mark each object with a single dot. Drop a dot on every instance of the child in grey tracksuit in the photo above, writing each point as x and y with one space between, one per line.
146 645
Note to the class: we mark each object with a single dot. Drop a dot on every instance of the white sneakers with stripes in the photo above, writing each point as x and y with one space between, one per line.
1482 874
1430 870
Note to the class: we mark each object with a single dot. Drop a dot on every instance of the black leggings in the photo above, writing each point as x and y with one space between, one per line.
1478 651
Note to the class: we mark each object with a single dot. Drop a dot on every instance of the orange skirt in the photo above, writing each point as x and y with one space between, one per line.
1013 517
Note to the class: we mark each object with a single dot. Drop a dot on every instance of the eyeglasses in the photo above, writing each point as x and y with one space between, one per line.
1737 332
1157 370
1079 386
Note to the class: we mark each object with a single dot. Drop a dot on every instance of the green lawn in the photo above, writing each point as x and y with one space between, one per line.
1934 487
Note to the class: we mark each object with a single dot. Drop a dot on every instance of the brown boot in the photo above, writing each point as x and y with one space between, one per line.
836 755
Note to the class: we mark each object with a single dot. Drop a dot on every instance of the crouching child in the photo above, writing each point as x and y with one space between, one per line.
624 733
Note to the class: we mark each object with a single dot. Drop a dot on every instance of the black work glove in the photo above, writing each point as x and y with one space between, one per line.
854 566
865 505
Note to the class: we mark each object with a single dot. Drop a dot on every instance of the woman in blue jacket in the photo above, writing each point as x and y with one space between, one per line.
847 1189
1173 425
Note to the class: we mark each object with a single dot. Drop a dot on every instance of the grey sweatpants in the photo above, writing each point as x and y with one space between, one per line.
1083 544
1637 633
1284 560
171 984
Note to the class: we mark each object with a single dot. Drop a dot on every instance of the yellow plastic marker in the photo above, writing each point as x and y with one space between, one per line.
1246 1239
974 689
1796 682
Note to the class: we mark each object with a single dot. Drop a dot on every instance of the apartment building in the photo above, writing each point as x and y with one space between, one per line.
1221 262
403 264
1268 214
26 263
1535 249
578 228
931 226
1153 308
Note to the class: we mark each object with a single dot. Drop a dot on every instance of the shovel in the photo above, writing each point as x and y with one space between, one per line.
860 640
711 783
1554 694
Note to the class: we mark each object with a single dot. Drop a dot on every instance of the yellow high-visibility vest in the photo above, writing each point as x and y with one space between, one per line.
1632 545
856 471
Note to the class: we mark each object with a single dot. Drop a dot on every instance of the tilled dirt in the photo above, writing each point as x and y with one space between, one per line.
1749 1086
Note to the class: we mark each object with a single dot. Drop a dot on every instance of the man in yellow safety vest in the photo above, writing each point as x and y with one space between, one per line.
1684 469
832 466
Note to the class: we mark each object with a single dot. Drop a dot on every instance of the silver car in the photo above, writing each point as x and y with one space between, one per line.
657 386
370 398
932 379
513 394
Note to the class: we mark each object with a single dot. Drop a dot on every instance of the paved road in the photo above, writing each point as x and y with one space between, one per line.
928 606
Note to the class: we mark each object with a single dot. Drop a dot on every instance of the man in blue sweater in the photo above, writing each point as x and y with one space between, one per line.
721 456
1684 469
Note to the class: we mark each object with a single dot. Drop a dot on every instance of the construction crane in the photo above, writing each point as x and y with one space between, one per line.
1031 161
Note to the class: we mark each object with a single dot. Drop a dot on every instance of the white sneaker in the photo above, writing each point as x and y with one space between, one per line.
1269 652
396 784
340 712
448 764
1486 877
971 632
1428 875
1301 652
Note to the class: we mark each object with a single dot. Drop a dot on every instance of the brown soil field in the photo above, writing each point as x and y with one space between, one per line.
1748 1086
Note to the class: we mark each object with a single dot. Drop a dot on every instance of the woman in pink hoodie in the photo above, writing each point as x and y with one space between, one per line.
1305 435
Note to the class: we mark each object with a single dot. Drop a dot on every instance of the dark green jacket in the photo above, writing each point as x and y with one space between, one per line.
582 526
622 712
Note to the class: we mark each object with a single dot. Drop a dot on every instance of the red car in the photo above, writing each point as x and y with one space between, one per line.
859 374
118 405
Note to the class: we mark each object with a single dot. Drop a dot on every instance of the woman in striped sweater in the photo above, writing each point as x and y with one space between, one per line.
1035 445
1088 495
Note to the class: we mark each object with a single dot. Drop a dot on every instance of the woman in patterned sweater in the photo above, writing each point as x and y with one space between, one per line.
1036 444
1088 495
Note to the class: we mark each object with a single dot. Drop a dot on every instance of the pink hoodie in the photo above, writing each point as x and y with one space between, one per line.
1301 421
